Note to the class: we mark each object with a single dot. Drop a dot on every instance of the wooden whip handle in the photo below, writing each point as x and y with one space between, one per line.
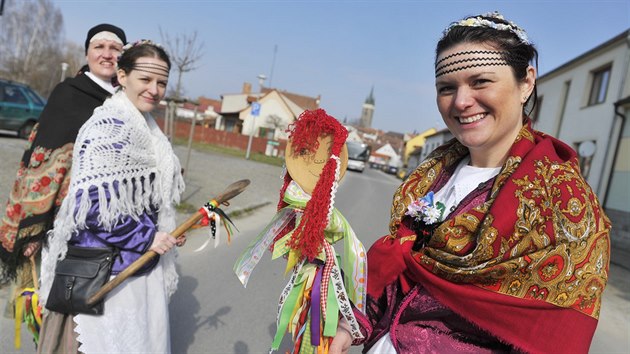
230 192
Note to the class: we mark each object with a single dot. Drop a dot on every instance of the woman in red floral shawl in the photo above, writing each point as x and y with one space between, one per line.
497 243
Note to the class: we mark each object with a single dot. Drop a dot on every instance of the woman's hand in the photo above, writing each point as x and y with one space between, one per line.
181 240
342 341
32 248
162 242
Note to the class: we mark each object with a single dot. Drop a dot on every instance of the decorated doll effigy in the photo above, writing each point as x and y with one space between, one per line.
318 294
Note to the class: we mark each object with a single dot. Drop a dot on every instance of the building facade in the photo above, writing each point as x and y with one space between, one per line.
585 103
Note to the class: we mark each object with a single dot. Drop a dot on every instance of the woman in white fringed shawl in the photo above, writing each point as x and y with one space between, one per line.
125 181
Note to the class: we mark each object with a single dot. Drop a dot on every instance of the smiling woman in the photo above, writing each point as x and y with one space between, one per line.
143 75
495 227
125 181
480 100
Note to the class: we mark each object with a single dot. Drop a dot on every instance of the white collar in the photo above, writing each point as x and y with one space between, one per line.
102 83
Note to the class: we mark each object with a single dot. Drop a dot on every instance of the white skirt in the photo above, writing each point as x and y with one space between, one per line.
135 319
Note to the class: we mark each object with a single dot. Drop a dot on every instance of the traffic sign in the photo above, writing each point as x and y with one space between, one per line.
255 109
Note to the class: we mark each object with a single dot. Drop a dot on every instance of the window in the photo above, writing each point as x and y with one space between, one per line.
599 86
12 94
34 97
230 125
267 133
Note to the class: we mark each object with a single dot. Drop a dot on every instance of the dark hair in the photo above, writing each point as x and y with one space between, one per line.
138 50
518 53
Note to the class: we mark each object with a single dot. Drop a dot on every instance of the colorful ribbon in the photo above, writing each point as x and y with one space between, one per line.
27 310
310 304
212 215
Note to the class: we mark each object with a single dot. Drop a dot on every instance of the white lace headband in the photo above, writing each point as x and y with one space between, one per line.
108 36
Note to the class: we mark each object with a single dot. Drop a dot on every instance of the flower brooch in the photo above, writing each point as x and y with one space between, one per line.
425 210
425 214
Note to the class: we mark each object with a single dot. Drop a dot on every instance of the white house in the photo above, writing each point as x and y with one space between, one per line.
353 135
386 155
585 103
277 110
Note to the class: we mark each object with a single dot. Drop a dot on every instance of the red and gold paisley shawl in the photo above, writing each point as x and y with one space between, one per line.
529 265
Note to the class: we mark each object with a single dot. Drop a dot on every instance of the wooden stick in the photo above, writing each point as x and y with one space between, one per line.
230 192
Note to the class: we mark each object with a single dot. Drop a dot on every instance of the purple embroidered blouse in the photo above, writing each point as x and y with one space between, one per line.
131 237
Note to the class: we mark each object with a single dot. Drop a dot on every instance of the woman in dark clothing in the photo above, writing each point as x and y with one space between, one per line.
43 174
41 178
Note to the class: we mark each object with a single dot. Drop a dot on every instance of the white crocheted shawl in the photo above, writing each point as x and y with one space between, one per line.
117 145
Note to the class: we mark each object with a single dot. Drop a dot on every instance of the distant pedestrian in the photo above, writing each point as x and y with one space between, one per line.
124 184
497 243
42 182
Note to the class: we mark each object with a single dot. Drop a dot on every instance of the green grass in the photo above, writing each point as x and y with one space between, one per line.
254 156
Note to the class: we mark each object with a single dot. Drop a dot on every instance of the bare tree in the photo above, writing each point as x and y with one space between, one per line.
31 38
72 54
276 122
185 53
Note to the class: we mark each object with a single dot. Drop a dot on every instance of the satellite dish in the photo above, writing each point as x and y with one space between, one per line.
586 148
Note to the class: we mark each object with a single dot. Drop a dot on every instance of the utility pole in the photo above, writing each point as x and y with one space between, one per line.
254 112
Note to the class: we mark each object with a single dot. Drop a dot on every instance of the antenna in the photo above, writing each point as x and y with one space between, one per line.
273 63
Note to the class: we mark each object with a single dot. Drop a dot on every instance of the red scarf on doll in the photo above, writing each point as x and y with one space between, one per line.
528 266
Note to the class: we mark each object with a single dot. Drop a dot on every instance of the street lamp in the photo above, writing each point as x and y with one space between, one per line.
64 67
261 80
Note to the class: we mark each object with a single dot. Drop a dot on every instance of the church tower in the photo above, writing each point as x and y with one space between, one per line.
368 111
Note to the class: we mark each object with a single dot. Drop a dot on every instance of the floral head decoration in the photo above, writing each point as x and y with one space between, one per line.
308 236
491 20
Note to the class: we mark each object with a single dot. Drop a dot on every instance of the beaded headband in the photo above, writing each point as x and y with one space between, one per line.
475 58
483 21
152 68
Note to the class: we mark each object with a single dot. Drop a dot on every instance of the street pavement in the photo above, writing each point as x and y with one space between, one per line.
207 175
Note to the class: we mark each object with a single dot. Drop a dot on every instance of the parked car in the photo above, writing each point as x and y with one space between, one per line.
390 169
358 154
20 107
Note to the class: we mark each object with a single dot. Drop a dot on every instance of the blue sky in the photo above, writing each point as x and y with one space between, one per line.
341 49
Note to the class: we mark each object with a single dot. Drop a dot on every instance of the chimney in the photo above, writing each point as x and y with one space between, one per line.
247 88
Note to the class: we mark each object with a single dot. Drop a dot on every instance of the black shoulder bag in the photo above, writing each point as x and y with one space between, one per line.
77 277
